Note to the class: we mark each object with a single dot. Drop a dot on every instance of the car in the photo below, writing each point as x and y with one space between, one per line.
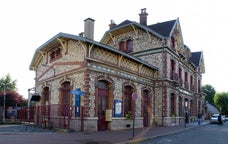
214 118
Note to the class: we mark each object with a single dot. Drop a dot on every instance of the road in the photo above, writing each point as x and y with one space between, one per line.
208 134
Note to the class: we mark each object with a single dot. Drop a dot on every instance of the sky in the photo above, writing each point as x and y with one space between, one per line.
27 24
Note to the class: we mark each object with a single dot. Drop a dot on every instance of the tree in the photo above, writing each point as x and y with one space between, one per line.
221 101
210 93
9 89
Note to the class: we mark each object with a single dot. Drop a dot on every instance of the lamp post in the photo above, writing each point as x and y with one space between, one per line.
29 98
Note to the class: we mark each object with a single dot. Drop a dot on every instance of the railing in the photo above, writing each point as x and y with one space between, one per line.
57 115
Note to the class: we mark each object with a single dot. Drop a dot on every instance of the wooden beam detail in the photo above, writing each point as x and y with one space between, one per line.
135 30
90 49
113 38
149 36
63 44
43 53
119 60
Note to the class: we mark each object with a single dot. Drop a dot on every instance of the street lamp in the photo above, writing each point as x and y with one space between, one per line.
29 99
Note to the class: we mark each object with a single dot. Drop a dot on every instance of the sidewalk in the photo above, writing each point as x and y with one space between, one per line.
126 136
102 137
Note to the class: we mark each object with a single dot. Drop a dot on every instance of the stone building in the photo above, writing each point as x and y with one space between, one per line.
138 71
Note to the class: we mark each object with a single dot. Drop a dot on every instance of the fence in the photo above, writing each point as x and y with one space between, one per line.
49 116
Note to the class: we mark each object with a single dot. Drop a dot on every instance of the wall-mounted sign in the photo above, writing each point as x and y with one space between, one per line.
118 108
78 93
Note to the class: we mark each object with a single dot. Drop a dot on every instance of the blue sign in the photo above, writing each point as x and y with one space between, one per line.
78 93
118 108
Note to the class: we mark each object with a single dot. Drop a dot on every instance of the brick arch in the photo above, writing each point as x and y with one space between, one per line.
129 84
105 78
128 102
150 99
45 95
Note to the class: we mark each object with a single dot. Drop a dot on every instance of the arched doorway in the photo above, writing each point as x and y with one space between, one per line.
146 108
103 94
129 105
65 99
45 104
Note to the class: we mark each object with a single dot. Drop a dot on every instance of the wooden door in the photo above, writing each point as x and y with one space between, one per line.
145 109
102 105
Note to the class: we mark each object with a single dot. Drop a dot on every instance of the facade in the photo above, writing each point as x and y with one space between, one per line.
136 68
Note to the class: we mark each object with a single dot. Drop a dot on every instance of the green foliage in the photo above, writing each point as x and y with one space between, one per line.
221 101
7 83
8 88
210 93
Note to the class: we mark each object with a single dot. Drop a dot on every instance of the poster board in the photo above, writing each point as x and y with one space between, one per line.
118 108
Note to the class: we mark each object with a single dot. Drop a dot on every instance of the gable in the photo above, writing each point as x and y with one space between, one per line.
164 28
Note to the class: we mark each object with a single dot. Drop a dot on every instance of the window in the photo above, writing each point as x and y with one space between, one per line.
186 80
121 45
126 46
128 101
64 107
129 45
55 54
173 43
46 94
172 105
180 76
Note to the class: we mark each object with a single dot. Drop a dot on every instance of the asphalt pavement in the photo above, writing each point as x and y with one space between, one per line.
104 137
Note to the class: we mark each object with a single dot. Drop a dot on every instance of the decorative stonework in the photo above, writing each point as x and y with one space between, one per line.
92 97
104 55
129 64
77 51
118 88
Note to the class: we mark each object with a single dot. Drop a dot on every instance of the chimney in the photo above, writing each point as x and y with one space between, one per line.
143 17
112 25
89 28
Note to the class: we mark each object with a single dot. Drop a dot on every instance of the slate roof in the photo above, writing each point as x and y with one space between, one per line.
196 58
74 37
164 28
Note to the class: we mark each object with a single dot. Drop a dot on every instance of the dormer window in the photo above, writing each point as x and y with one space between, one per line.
129 45
126 46
173 44
121 46
55 54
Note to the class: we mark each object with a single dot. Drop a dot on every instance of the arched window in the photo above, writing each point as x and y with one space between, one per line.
146 108
129 45
65 99
173 43
121 46
45 101
126 46
180 76
172 105
128 101
45 95
103 95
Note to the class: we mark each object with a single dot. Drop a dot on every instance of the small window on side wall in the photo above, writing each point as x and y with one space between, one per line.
126 46
129 45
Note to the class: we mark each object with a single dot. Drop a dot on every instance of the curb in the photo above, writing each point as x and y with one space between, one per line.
138 140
